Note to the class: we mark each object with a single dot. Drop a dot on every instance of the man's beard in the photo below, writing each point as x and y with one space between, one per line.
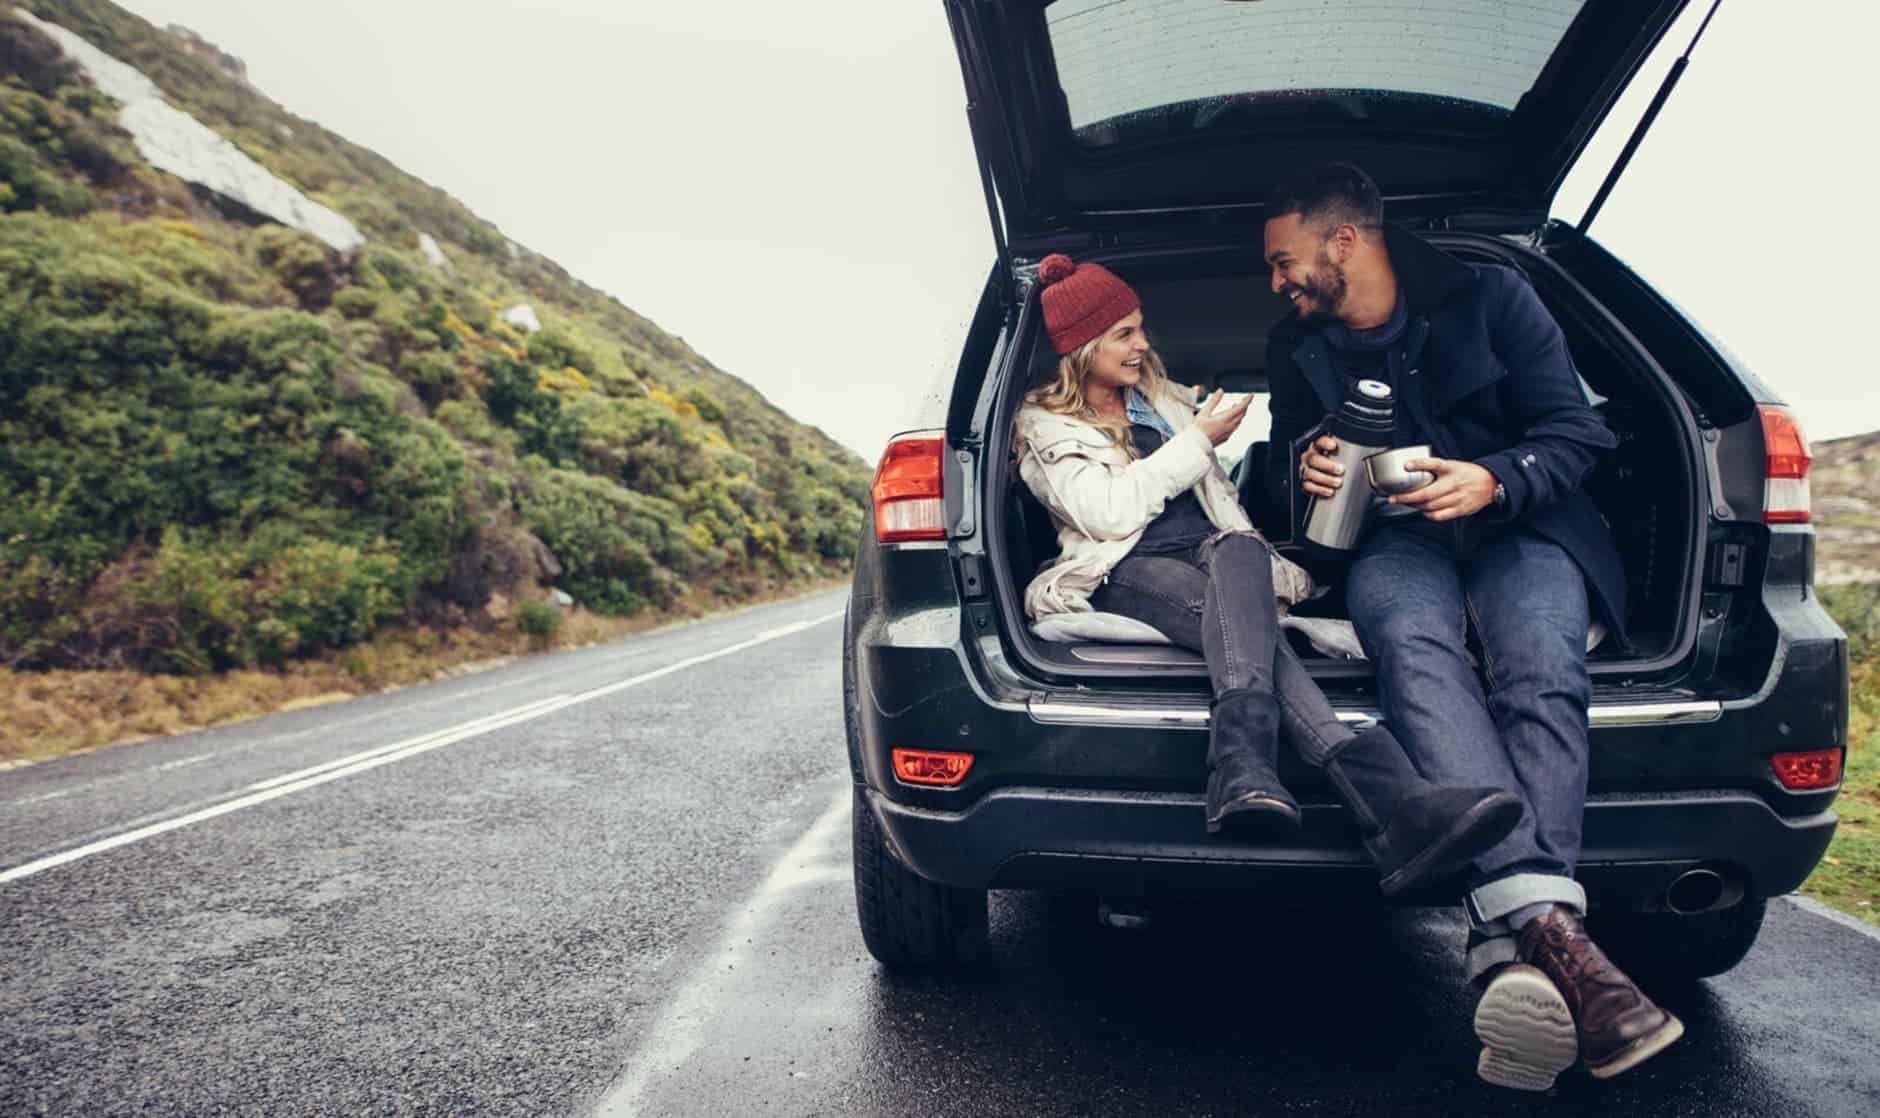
1324 292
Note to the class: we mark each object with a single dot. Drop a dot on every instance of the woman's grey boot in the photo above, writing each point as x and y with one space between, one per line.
1244 792
1419 833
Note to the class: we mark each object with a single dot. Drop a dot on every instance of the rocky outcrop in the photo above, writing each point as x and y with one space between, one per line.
522 315
202 48
433 252
173 141
1846 484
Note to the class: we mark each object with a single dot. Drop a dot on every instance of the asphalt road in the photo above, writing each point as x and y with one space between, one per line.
615 881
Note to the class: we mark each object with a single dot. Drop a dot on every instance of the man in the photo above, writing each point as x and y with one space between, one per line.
1504 543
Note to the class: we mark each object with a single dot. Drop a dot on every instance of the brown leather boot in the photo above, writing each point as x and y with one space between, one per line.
1619 1026
1526 1030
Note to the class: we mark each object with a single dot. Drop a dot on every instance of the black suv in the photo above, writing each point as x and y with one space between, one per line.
1137 135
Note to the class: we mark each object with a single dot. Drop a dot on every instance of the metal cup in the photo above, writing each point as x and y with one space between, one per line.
1387 473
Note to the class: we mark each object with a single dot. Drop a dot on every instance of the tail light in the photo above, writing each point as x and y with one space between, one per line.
908 505
1804 772
1785 493
928 766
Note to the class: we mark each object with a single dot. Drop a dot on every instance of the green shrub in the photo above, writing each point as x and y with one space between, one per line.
709 409
469 420
66 133
515 398
475 313
321 594
32 56
182 254
611 541
82 99
354 303
434 374
540 621
190 605
203 602
299 263
552 348
375 266
213 443
1855 606
133 414
33 187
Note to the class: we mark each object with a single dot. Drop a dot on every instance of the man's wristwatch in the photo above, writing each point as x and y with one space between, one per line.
1501 495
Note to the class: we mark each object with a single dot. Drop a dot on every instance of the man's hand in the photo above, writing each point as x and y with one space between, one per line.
1321 473
1218 423
1460 489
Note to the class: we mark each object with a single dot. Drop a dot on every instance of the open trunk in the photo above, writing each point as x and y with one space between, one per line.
1208 311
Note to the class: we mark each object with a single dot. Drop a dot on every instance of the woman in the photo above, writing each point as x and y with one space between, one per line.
1150 527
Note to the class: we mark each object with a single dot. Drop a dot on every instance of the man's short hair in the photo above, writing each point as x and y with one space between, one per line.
1330 195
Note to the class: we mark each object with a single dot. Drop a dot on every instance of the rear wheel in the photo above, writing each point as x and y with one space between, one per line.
1672 948
908 922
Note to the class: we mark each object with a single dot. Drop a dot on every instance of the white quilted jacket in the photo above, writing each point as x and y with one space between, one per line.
1101 500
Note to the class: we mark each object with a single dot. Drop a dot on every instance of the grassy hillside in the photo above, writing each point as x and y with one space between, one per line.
1845 485
1845 481
223 444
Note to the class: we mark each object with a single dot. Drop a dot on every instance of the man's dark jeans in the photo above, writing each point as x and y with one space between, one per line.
1218 600
1520 724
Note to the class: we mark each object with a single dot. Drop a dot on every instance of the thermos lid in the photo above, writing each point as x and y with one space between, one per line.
1365 418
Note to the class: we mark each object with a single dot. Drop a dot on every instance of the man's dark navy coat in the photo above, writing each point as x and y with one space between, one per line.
1488 375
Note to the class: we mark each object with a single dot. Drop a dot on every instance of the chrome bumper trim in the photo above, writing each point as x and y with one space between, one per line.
1194 716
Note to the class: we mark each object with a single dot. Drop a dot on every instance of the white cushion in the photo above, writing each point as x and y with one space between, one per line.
1112 628
1331 636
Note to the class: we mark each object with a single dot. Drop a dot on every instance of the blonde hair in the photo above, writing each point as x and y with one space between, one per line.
1065 393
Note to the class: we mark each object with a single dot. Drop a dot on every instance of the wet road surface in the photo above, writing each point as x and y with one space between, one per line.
615 881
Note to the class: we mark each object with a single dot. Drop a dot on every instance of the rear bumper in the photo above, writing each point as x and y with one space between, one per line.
1137 843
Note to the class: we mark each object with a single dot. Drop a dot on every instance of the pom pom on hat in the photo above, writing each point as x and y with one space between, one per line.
1081 301
1054 268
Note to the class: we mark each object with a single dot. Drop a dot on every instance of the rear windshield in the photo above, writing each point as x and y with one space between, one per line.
1135 68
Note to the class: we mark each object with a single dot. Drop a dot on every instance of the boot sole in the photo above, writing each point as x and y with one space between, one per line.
1477 829
1257 816
1526 1030
1640 1050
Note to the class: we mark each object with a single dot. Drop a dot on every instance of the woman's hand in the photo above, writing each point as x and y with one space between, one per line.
1218 423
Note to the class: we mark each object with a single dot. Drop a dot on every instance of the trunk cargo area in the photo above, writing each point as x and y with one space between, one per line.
1208 311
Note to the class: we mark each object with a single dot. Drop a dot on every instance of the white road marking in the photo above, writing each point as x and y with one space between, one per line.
330 728
326 729
1810 904
185 762
673 1037
303 779
455 733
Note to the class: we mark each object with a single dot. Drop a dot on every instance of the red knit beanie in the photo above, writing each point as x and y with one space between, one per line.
1081 301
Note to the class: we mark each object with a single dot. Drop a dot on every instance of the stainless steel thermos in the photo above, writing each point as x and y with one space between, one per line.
1363 428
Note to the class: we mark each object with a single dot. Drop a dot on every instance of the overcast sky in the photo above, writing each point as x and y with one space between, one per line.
791 188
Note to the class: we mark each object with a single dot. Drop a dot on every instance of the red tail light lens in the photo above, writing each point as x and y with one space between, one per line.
927 766
908 504
1803 772
1785 492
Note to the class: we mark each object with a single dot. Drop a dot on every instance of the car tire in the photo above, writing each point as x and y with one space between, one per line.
908 922
1667 947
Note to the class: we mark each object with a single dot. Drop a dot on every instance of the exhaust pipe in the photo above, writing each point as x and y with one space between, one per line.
1703 889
